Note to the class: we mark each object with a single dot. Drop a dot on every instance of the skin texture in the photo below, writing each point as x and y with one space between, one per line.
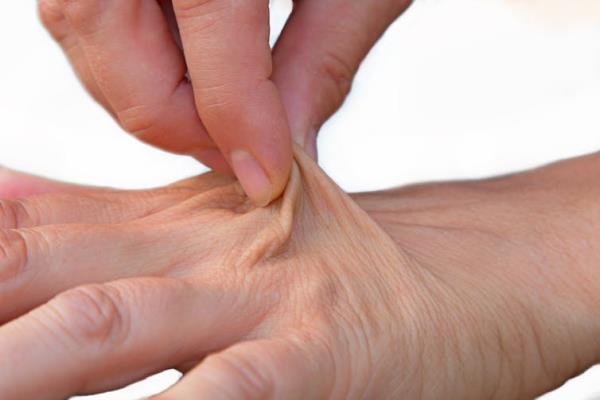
465 290
198 77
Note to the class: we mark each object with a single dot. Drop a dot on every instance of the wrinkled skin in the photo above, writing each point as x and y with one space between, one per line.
466 290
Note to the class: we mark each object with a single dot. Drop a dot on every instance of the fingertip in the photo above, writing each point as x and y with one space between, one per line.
280 172
276 157
252 177
262 170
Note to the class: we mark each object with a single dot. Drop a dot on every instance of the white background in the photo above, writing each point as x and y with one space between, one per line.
456 89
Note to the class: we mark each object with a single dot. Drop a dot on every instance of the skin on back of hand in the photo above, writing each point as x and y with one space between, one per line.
309 298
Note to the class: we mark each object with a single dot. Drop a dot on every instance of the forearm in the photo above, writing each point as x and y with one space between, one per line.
523 252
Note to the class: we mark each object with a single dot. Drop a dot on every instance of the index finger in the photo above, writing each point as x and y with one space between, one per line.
226 45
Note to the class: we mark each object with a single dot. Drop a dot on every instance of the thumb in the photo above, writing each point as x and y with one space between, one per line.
315 59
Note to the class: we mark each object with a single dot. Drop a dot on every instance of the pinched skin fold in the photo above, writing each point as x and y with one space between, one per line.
313 266
307 298
312 212
463 290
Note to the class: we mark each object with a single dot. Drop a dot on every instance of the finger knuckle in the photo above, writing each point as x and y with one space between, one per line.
146 123
13 256
205 13
194 6
340 74
93 316
8 214
52 17
139 120
15 214
240 376
82 13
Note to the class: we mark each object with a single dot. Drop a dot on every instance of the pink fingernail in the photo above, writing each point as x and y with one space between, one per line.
252 177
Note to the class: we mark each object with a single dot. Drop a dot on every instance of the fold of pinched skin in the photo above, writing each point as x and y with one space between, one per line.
313 220
444 310
312 272
313 264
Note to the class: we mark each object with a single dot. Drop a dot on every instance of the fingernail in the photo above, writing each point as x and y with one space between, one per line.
252 177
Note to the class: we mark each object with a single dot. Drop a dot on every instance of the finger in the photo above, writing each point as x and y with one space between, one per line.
265 369
100 337
88 206
227 51
318 54
38 263
27 201
130 52
54 21
17 184
167 8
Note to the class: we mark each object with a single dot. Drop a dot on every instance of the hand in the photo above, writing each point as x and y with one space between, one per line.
130 57
487 290
15 185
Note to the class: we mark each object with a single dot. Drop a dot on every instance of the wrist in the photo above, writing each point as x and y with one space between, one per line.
511 275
